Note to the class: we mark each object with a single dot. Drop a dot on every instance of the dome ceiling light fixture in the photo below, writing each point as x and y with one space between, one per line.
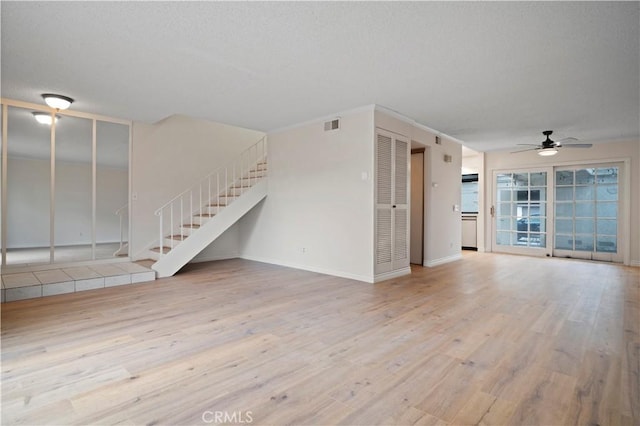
58 102
44 117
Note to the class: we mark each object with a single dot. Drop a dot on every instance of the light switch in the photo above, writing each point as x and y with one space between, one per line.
456 208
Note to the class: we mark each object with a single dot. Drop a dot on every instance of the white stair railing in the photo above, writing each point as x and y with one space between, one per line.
210 194
121 213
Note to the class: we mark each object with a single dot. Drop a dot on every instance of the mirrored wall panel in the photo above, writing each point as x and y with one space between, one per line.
73 189
28 209
112 189
66 187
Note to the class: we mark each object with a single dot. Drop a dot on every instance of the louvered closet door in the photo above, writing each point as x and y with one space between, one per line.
392 195
400 207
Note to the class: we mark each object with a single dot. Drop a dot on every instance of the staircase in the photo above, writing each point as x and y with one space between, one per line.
193 219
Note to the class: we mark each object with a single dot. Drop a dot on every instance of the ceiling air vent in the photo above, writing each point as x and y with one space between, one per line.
332 125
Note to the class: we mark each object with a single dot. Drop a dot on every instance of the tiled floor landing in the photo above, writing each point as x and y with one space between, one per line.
28 285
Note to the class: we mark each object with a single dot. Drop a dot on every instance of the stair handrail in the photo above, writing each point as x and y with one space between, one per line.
232 171
121 212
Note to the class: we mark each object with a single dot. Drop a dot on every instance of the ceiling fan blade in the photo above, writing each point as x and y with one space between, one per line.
525 150
563 140
528 144
577 145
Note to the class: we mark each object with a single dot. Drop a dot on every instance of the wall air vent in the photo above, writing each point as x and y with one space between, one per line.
438 141
332 125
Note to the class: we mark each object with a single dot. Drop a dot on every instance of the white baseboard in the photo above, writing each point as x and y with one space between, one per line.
392 274
635 263
442 260
325 271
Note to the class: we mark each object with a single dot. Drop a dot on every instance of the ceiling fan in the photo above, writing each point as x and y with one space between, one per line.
549 147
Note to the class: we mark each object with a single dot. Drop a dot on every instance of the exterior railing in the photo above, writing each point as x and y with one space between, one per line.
211 193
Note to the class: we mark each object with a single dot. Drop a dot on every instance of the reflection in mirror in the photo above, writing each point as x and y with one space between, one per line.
1 180
28 188
112 189
73 187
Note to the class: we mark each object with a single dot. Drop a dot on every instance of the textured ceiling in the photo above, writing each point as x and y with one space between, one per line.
489 74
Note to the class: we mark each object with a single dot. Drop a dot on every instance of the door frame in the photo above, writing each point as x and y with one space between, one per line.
422 152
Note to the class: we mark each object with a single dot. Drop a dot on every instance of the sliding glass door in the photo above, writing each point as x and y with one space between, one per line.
569 211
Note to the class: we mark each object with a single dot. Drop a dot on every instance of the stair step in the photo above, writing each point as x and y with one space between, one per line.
212 209
177 237
204 215
191 225
165 249
217 205
228 196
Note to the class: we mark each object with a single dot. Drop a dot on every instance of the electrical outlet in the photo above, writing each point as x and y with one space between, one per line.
303 250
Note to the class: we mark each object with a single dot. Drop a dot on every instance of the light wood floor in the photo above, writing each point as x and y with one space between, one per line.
491 339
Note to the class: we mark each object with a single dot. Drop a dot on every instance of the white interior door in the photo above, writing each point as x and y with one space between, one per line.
400 207
384 196
392 202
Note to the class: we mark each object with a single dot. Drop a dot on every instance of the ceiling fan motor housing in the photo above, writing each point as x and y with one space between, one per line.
548 143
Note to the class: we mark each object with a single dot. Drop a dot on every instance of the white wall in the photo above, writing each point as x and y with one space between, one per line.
442 224
28 182
603 152
318 214
226 246
172 155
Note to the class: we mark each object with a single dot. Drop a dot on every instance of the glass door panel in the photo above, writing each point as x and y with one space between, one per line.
521 210
74 186
586 213
28 188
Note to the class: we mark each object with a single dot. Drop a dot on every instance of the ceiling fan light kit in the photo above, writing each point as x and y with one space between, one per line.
547 152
